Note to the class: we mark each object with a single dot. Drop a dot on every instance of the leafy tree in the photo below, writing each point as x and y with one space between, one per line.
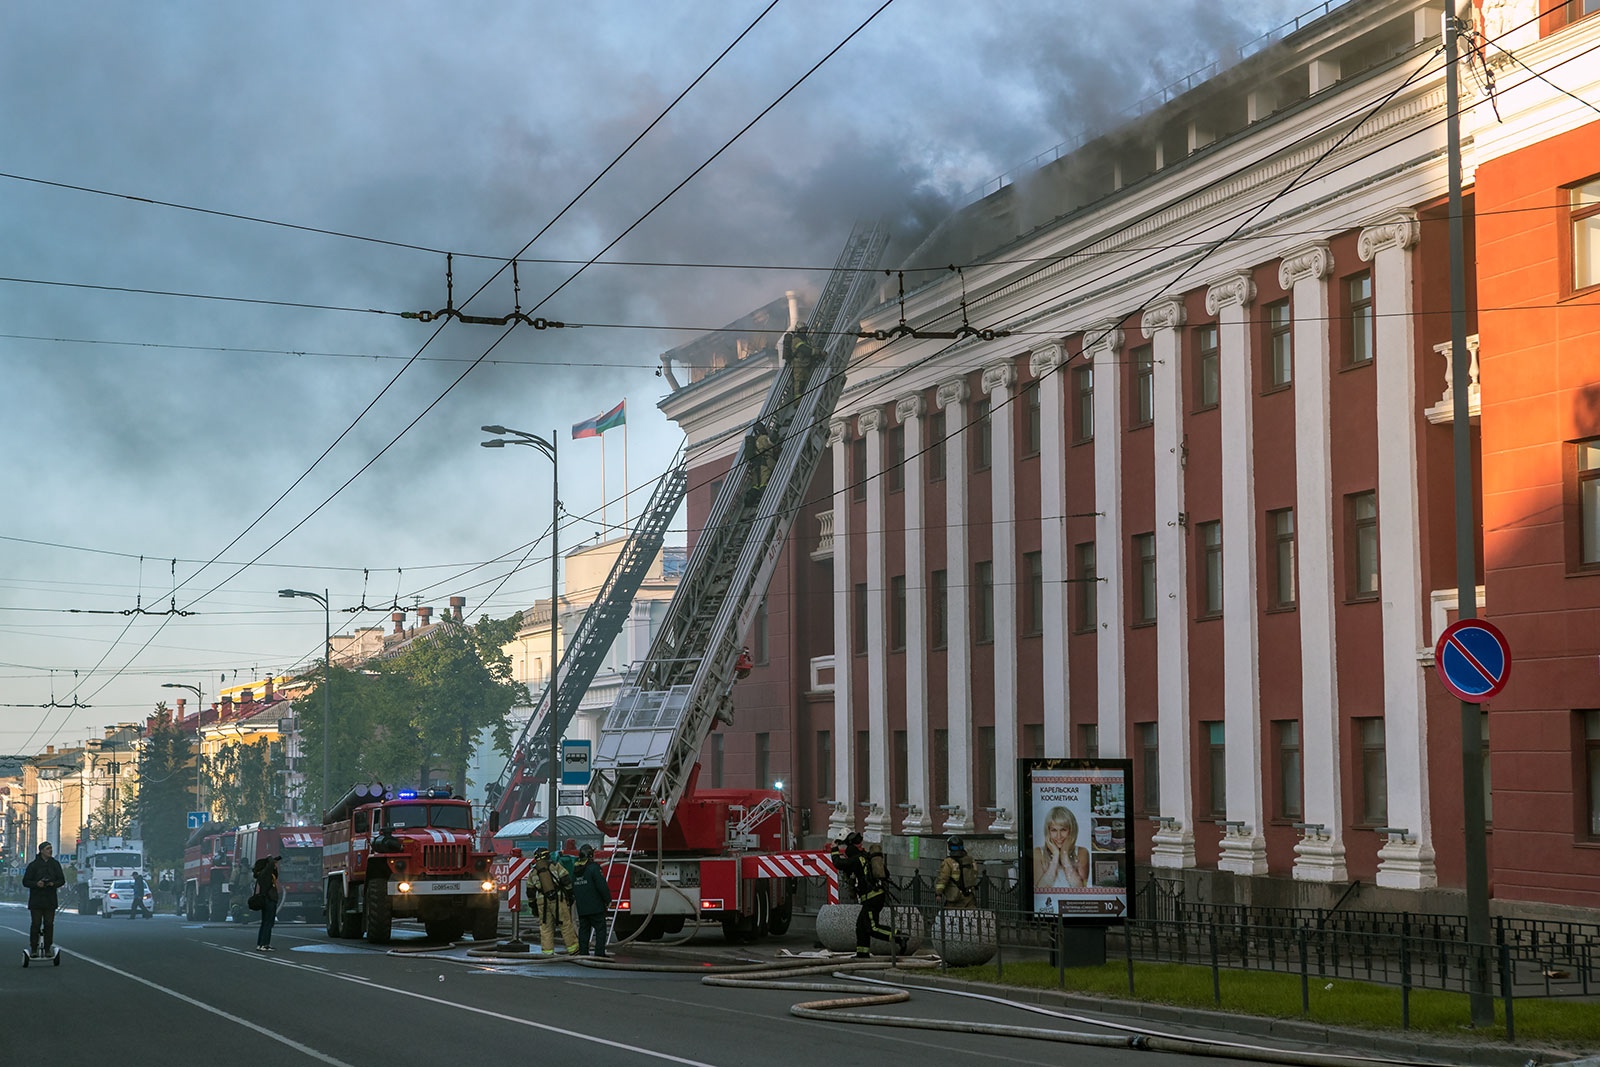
247 783
166 789
115 814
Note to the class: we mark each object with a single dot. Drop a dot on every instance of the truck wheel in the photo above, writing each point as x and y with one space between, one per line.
486 924
782 915
333 910
379 915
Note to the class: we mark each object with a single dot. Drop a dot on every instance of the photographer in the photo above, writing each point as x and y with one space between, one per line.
42 878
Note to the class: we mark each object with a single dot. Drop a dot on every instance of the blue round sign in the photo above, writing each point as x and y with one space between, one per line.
1473 660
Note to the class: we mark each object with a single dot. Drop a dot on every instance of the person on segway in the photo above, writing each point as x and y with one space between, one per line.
42 878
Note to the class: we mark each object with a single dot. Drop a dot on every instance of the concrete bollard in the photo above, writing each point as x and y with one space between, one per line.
964 937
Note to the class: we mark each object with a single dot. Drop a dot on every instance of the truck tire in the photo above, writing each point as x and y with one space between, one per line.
486 924
333 910
378 913
782 915
353 924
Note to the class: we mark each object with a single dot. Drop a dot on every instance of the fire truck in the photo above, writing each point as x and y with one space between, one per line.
685 853
405 854
208 868
299 852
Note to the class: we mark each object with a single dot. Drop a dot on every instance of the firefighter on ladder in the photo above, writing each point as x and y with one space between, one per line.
762 448
957 882
801 357
868 876
549 890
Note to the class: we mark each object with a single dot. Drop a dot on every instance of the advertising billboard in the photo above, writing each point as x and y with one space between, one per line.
1076 848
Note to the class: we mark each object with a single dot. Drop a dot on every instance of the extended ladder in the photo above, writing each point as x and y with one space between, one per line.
589 645
653 735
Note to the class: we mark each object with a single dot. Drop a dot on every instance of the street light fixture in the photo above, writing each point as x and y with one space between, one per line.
327 672
548 448
199 707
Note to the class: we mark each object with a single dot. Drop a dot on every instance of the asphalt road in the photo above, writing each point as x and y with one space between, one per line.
165 991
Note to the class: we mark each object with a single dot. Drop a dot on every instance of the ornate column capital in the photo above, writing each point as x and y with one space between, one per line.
1105 337
838 429
1312 262
952 393
1001 375
1236 290
1166 315
870 421
1399 229
910 407
1046 358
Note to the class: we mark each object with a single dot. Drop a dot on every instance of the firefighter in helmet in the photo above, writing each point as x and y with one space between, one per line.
549 890
763 447
801 356
867 875
957 882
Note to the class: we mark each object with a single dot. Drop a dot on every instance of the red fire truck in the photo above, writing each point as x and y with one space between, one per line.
208 866
405 854
299 852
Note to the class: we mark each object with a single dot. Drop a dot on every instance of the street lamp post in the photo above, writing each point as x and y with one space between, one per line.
199 706
327 673
547 447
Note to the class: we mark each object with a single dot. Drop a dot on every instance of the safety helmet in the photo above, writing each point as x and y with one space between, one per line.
802 328
587 852
854 839
955 844
541 853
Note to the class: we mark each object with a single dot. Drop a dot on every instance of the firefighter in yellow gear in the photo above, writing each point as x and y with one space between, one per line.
762 447
549 890
801 355
957 883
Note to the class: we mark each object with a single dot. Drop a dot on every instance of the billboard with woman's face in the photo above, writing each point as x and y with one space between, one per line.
1076 848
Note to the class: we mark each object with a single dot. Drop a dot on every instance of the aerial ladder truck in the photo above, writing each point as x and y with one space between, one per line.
727 855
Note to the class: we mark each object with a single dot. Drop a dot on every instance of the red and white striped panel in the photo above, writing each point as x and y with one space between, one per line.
794 865
515 871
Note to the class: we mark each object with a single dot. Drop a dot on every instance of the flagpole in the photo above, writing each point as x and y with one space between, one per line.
624 462
605 534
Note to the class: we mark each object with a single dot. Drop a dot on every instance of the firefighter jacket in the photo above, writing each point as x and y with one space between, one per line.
550 881
855 866
591 894
957 881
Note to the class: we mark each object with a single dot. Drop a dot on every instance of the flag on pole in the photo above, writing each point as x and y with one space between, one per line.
617 416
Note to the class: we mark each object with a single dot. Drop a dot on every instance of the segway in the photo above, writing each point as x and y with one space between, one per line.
53 956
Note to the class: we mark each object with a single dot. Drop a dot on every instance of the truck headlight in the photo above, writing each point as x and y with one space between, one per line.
487 885
405 887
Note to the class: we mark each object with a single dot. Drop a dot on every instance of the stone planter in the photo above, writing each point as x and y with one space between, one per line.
964 937
836 927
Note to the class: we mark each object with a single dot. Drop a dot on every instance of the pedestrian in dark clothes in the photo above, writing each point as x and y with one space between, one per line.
266 875
591 896
42 878
139 888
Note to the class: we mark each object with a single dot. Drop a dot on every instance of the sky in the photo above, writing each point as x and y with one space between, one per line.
211 216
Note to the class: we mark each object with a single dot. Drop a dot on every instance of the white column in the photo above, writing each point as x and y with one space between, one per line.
1319 856
999 380
1408 863
918 819
1173 843
843 819
1045 365
870 423
1102 347
1244 847
952 399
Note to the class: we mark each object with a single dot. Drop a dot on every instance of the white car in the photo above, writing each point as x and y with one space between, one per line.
119 898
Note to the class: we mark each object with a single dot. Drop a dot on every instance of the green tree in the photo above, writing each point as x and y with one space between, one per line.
247 783
115 813
166 789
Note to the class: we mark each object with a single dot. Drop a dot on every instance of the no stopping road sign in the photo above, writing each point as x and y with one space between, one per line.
1473 660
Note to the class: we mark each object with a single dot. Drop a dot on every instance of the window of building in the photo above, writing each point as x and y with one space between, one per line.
824 764
1142 396
1362 341
1361 512
763 761
897 613
1290 786
941 768
1149 767
717 741
1085 585
1216 767
939 608
1585 228
863 765
858 622
936 443
1584 497
1032 740
1280 569
983 601
1089 741
1374 772
902 768
761 635
858 469
1144 590
895 473
1207 366
1034 420
1033 593
1209 545
1083 401
982 433
986 794
1280 344
1591 767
